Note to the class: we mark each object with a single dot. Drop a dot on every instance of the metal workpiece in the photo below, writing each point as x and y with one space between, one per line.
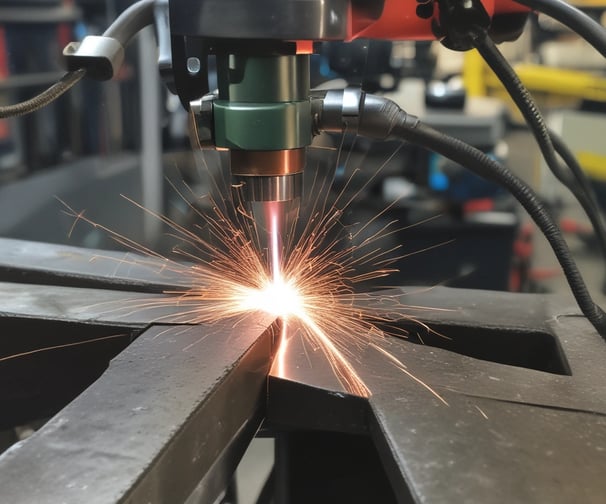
173 414
55 341
31 262
88 306
525 419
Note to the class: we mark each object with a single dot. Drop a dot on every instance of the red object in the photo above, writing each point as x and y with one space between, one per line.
568 225
478 205
520 273
400 20
305 46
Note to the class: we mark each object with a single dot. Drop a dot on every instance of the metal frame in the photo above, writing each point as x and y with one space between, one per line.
522 375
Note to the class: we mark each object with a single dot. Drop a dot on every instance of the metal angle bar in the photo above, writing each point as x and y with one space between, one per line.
177 402
43 263
55 341
479 447
507 430
71 304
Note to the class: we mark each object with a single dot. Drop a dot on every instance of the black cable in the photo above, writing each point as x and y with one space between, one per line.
123 29
481 164
44 98
579 22
548 142
382 119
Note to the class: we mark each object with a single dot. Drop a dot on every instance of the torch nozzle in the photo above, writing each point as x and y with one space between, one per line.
275 222
270 186
268 175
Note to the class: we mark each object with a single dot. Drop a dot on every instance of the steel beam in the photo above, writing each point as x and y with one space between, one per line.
83 329
61 265
172 414
522 376
94 306
508 433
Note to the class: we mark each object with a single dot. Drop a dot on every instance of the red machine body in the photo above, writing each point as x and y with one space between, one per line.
414 20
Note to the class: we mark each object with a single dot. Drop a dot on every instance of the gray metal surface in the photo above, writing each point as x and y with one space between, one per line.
34 262
269 188
178 406
522 375
98 306
508 434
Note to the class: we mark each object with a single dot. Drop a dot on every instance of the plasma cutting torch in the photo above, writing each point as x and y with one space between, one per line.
265 115
262 111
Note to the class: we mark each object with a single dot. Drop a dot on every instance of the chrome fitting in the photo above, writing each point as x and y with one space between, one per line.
202 110
269 188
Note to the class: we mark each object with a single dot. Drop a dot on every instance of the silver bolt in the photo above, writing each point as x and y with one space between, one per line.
193 66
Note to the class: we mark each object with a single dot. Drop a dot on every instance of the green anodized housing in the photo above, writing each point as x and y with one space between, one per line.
263 102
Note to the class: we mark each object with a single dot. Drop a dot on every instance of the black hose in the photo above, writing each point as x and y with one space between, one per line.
123 29
131 21
579 22
486 167
548 142
382 119
44 98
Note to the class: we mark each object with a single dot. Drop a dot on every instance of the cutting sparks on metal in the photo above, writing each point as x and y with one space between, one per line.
307 282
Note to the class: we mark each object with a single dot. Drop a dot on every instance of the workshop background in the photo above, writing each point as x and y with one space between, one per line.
129 136
88 147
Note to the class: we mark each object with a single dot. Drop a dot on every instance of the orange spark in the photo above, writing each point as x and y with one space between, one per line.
311 277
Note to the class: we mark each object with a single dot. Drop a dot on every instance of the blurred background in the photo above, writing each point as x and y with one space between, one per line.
130 136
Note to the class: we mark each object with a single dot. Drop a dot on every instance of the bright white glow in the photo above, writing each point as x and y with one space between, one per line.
278 298
275 251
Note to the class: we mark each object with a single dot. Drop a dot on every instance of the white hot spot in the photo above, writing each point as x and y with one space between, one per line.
279 298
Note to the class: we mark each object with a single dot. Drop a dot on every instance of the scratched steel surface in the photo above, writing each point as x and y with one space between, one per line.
88 305
508 433
43 263
522 376
171 414
179 405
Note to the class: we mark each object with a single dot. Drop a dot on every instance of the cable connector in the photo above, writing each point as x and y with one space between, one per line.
337 110
202 110
351 110
100 56
459 21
